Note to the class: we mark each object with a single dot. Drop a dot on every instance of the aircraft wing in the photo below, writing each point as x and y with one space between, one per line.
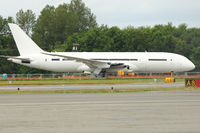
97 66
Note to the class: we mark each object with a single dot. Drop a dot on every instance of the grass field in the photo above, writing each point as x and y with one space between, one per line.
87 81
81 81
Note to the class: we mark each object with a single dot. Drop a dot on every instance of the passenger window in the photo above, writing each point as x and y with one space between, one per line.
55 59
157 59
26 61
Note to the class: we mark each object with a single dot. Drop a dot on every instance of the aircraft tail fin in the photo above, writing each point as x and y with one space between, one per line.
25 45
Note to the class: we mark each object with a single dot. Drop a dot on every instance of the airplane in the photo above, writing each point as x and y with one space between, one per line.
94 63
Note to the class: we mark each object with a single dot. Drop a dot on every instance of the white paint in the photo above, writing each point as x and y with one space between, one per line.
95 61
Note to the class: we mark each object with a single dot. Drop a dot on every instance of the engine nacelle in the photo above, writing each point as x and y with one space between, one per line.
131 68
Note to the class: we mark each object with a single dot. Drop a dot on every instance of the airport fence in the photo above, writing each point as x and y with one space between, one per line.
84 76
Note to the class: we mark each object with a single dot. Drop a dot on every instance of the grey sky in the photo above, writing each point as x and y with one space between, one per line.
122 13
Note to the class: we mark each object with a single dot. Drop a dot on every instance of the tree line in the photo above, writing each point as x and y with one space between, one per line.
59 28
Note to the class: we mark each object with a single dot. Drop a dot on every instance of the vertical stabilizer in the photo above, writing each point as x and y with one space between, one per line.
26 46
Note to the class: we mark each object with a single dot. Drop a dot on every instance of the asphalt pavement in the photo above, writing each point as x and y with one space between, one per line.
93 86
141 112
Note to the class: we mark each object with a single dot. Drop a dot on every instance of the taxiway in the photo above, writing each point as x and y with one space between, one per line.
152 112
93 86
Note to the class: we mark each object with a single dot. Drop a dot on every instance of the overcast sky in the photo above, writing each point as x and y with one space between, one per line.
121 13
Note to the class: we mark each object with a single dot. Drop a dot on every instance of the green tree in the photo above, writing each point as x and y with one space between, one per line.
95 39
26 20
54 25
44 29
136 39
195 56
82 17
7 46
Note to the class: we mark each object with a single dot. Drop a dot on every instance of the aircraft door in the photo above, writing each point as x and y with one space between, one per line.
173 65
142 64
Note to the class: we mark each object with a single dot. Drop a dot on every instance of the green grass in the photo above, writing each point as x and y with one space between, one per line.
86 81
80 81
88 91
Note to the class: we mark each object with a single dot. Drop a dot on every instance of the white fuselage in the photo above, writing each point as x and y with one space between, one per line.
96 63
137 61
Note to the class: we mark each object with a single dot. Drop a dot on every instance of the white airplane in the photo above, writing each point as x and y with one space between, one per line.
95 63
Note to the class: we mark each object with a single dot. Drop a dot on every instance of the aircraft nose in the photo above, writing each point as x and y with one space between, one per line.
192 66
189 66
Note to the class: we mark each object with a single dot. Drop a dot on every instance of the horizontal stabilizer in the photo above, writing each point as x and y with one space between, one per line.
15 57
